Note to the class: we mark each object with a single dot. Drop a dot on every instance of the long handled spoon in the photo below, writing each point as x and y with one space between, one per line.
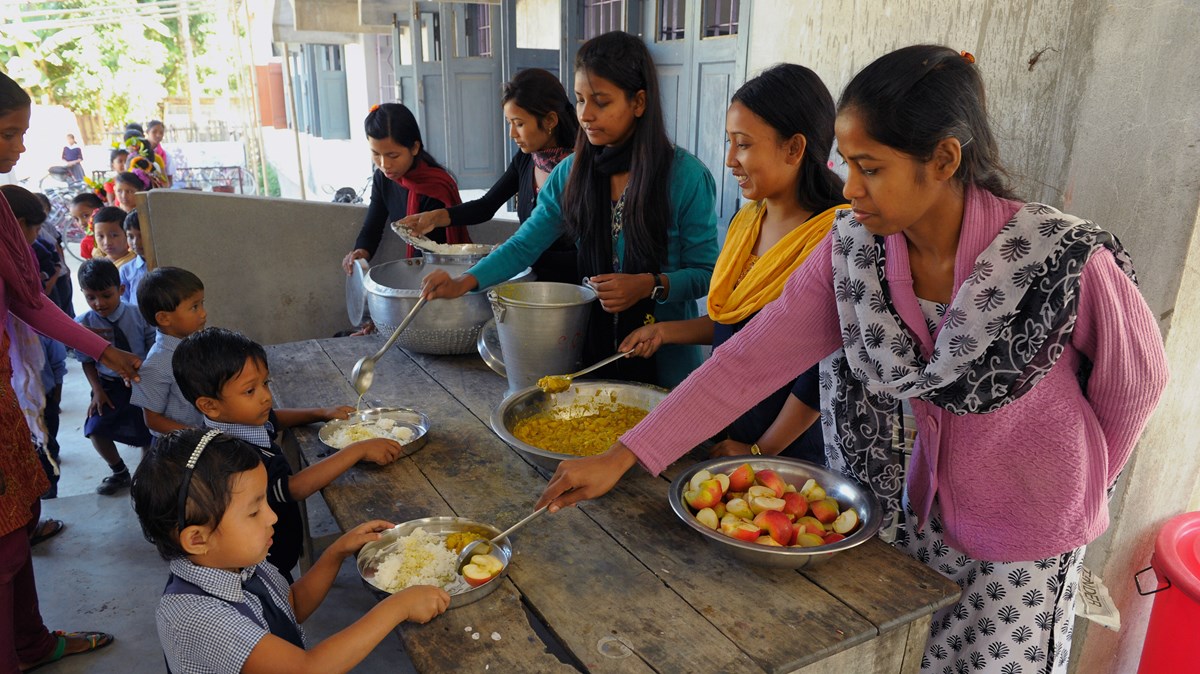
464 557
557 383
364 370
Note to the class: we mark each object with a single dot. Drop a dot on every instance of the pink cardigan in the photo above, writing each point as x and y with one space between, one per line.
1024 482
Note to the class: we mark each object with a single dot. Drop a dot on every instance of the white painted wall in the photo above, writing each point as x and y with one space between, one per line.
1103 123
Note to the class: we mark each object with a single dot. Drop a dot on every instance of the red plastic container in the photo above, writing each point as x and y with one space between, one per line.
1171 644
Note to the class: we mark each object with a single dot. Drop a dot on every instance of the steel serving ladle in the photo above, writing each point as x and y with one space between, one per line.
363 373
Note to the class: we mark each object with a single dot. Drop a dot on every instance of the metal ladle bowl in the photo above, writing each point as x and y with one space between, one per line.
464 557
363 374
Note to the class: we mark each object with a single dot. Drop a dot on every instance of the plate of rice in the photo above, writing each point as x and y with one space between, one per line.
404 425
425 557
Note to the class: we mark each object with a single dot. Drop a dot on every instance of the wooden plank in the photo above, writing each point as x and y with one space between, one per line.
633 622
399 492
883 655
778 617
914 647
883 584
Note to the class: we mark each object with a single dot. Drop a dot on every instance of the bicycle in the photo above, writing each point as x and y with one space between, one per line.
348 195
60 188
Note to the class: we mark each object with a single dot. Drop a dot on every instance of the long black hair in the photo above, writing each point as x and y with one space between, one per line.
396 122
539 93
793 100
24 204
12 96
623 60
915 97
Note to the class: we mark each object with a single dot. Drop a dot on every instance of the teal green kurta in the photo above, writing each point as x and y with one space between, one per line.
691 250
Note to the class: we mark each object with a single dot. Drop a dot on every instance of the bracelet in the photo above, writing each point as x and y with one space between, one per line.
755 450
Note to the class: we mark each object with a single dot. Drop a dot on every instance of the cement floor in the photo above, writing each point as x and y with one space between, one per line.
99 573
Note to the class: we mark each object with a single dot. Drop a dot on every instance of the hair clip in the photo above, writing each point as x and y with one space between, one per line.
374 108
968 56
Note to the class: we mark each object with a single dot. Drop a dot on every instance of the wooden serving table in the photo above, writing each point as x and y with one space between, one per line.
616 585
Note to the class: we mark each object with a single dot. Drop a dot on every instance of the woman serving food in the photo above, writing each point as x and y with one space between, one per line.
641 213
1016 332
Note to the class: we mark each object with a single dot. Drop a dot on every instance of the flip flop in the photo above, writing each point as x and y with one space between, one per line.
55 527
96 641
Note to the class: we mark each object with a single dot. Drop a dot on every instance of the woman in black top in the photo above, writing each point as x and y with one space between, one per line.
541 121
407 180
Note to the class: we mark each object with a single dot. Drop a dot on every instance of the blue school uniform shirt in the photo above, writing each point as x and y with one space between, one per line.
56 362
130 322
131 277
157 391
289 530
206 634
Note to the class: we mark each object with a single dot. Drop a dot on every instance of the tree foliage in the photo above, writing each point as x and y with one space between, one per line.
118 71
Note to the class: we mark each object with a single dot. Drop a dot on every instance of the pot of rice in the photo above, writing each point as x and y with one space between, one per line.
426 556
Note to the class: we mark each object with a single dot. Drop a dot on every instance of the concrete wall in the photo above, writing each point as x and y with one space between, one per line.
1097 110
271 267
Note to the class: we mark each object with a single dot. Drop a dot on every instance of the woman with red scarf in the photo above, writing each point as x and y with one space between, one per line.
541 121
407 180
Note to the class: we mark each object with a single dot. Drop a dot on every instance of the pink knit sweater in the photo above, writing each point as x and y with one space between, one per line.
1024 482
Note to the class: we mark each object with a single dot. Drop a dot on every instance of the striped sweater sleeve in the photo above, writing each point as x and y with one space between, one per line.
786 338
1118 332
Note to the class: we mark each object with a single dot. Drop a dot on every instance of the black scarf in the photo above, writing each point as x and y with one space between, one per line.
609 161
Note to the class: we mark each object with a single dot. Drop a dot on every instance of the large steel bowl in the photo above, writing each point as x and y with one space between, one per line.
439 526
527 402
442 327
849 494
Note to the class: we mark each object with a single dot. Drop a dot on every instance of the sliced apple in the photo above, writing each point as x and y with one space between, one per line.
810 525
482 569
745 531
833 537
700 476
767 540
723 480
759 490
739 507
807 540
708 517
761 503
825 510
812 491
742 478
771 479
776 524
846 522
794 504
706 495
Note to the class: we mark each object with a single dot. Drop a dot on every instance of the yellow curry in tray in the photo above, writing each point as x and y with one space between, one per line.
582 429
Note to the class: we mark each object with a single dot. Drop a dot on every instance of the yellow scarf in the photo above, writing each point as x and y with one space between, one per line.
729 301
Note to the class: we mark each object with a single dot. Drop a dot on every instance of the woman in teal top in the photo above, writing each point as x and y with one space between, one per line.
641 211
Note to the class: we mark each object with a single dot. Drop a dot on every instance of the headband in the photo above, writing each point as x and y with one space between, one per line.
190 468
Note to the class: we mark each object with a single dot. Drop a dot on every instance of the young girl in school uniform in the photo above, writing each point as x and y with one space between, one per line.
407 179
1016 332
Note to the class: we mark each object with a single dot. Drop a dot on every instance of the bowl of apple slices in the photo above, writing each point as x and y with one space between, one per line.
775 511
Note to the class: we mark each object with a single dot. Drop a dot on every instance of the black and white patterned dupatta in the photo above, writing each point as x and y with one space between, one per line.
1005 328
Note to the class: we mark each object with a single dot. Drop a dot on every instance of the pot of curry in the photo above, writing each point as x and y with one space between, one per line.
584 420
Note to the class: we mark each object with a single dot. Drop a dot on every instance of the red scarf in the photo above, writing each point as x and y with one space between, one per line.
435 183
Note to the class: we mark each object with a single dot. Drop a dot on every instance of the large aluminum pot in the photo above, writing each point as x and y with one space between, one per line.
542 326
443 326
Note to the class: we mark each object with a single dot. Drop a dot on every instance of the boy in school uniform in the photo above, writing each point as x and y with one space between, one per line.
225 375
172 300
108 227
111 418
132 273
200 497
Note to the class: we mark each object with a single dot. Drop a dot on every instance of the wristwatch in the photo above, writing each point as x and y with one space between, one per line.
660 290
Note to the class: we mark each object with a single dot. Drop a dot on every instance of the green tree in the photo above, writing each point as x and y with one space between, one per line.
117 59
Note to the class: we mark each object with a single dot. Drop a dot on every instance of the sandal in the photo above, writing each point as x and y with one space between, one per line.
96 641
48 528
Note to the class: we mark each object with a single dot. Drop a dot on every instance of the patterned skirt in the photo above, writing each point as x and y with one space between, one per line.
1013 617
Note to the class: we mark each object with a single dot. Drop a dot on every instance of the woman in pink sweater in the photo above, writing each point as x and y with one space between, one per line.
1015 332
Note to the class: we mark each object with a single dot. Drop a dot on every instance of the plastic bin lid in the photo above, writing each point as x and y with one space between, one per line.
1177 553
356 292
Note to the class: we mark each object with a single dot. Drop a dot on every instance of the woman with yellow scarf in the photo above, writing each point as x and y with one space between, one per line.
780 133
